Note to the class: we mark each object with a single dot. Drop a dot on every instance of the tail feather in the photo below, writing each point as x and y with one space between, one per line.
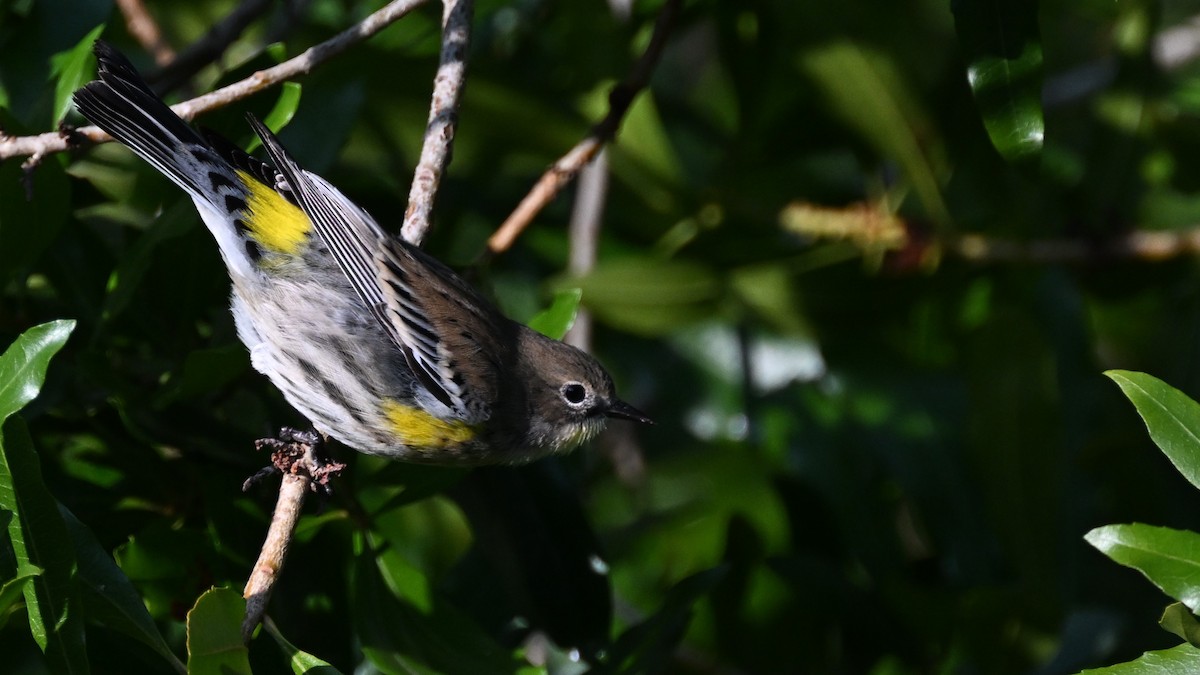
121 104
239 198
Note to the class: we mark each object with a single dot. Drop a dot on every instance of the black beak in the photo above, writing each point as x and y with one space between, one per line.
625 411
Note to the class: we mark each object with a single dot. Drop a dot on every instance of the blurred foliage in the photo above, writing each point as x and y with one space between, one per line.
871 456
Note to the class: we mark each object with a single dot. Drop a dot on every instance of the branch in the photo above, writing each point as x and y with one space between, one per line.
566 168
41 145
875 231
292 491
443 118
145 30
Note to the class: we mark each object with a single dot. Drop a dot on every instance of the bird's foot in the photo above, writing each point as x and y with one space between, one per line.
298 452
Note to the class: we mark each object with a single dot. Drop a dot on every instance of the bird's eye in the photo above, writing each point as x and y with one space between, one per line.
574 393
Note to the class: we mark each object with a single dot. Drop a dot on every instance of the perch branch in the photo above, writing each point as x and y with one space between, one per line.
292 491
41 145
443 118
568 166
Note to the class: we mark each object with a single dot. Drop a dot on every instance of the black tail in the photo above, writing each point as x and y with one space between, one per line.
123 105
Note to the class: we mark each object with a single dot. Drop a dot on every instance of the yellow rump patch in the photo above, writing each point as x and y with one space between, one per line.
277 225
419 430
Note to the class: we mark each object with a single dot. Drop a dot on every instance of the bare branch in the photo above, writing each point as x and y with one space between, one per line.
443 118
51 142
145 30
566 168
292 492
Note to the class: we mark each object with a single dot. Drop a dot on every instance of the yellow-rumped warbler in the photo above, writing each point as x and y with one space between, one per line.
379 345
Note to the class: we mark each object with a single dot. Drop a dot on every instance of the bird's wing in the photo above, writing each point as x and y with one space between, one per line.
432 316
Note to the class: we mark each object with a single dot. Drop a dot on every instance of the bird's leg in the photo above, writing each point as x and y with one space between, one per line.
298 452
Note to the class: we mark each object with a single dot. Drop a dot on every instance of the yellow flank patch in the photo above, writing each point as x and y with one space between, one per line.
277 225
421 431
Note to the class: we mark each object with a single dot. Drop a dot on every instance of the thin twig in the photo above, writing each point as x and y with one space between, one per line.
54 141
443 118
207 49
145 30
567 167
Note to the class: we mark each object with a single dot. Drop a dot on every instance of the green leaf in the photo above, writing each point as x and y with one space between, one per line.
1165 556
72 68
109 596
1172 419
302 663
282 112
11 593
557 319
214 634
1003 48
39 540
23 365
1178 619
1181 660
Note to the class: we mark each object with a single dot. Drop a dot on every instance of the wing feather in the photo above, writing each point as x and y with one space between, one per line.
384 274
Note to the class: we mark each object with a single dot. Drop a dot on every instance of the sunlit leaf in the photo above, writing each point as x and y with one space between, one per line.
1165 556
1001 42
23 365
1172 419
